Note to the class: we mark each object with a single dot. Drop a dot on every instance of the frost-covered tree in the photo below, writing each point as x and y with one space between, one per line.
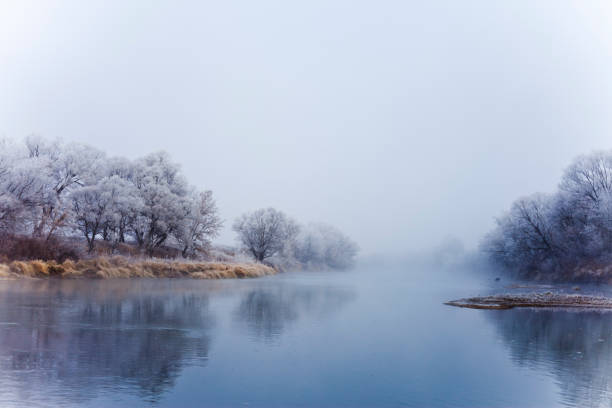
525 237
587 188
265 232
200 223
588 177
121 167
322 245
23 184
162 189
339 249
102 208
554 234
66 166
50 186
90 207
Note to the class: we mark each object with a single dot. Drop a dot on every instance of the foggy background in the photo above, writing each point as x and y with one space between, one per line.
402 123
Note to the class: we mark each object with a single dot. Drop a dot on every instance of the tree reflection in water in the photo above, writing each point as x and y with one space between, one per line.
575 346
267 311
68 342
81 338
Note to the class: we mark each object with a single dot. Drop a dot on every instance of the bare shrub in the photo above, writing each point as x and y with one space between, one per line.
14 247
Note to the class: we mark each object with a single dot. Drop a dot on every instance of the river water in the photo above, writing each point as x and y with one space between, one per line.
373 337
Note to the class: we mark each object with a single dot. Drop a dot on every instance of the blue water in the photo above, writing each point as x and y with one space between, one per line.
374 337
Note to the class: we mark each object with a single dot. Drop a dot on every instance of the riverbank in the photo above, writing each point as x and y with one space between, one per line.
122 267
547 299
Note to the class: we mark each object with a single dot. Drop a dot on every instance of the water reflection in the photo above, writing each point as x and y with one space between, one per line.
122 342
574 346
267 311
76 338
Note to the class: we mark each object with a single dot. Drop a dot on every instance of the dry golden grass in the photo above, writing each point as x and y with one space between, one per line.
5 271
121 267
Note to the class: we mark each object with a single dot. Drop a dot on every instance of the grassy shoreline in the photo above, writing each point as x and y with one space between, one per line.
122 267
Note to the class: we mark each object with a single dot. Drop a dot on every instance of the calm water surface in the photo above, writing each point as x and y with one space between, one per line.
376 337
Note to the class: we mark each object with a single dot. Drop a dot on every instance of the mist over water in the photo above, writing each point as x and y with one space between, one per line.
369 337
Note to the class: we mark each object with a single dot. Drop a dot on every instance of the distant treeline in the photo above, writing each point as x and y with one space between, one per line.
54 195
564 235
269 234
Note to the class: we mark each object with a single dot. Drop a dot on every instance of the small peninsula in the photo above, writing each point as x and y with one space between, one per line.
543 300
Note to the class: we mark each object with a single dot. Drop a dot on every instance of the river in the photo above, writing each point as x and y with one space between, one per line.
373 337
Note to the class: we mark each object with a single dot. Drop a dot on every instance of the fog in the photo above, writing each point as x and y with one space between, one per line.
402 123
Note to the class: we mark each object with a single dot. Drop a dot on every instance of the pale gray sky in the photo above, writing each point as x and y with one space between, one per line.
401 122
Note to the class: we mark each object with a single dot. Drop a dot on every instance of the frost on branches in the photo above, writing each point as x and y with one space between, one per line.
51 188
553 235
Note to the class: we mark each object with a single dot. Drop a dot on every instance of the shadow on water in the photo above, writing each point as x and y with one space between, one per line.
70 337
574 346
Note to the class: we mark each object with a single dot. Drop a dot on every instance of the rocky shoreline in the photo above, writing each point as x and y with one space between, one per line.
547 299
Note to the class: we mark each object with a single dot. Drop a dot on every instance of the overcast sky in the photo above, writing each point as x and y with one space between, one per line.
404 123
